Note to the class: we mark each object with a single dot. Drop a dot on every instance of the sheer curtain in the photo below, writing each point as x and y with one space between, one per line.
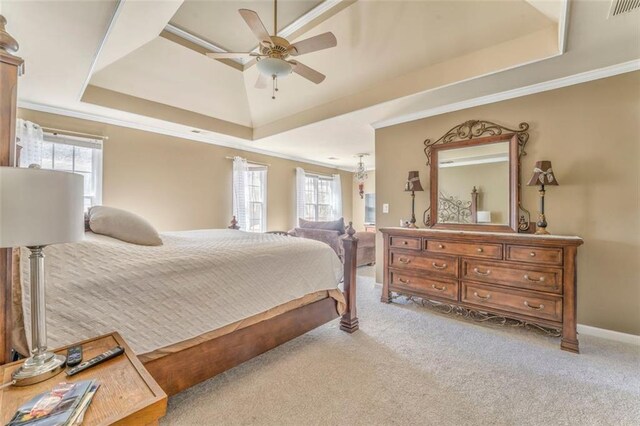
29 137
336 197
240 192
300 193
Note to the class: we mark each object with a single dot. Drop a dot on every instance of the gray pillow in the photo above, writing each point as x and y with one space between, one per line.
333 225
123 225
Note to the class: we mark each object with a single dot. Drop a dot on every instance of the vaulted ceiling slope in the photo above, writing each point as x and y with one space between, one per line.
142 63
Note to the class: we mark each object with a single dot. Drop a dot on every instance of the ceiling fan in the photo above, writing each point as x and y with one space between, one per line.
273 51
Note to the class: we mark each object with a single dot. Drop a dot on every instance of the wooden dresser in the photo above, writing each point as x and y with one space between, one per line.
527 277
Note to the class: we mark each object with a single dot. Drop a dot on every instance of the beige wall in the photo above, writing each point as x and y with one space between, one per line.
179 184
591 133
491 180
358 203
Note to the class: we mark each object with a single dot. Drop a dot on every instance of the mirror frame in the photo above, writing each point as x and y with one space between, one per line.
474 133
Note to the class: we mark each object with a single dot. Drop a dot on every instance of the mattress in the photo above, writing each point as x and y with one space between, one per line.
198 283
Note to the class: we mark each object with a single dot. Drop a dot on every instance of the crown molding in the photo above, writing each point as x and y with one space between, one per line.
182 134
558 83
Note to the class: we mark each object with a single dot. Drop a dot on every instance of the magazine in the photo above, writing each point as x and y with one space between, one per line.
64 405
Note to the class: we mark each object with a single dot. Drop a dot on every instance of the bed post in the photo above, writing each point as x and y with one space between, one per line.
10 69
234 224
349 321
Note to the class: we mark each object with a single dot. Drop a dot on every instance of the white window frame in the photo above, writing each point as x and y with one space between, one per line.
95 197
256 168
315 180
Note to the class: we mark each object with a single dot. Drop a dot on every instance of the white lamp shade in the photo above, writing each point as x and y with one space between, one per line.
484 216
40 207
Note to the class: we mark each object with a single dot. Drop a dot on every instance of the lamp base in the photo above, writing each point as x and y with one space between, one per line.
38 368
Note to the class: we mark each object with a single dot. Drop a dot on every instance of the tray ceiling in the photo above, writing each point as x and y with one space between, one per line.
394 59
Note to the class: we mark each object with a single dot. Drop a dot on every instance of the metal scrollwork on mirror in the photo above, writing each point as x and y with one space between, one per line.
474 133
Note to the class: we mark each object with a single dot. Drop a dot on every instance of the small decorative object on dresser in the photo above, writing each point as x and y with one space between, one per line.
531 278
413 185
542 175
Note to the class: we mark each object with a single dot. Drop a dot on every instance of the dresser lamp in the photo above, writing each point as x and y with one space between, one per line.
413 185
542 175
38 208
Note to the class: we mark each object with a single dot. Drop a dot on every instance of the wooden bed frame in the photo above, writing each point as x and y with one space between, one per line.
177 371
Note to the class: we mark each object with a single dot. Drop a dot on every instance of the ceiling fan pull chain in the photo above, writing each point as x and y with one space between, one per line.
273 86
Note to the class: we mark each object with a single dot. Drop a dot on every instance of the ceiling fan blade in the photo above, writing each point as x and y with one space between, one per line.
312 44
255 24
308 73
262 81
228 55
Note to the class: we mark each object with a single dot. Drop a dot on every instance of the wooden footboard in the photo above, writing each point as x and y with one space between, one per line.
181 370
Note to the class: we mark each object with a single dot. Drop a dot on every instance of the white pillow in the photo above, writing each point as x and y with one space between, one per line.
123 225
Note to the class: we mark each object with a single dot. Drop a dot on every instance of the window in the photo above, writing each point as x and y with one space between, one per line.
76 155
250 195
317 198
257 197
370 208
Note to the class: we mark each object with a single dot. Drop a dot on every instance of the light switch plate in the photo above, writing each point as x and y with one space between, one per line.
385 208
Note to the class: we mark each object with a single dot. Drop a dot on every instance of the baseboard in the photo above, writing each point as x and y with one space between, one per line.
609 334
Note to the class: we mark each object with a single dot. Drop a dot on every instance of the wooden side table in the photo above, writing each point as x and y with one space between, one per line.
128 395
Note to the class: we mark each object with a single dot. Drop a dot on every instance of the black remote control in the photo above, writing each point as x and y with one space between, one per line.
74 356
111 353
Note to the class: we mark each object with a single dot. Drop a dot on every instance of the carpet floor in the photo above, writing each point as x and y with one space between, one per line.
409 365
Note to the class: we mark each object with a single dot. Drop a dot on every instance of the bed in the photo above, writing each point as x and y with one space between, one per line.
197 287
201 277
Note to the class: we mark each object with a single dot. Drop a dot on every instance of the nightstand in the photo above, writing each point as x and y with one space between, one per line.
128 395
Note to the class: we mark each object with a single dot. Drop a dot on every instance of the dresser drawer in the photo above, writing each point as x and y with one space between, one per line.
412 283
550 256
540 279
493 251
407 243
520 301
445 266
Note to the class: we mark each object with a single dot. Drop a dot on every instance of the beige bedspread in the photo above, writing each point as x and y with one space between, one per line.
197 283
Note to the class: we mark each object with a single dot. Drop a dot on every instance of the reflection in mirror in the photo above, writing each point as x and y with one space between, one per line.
473 184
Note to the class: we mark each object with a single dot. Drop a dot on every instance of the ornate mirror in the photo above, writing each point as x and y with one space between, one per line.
475 178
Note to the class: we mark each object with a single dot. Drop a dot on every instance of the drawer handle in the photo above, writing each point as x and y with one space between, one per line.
440 246
404 260
479 249
488 296
403 281
443 288
435 265
405 242
532 254
539 280
477 271
535 308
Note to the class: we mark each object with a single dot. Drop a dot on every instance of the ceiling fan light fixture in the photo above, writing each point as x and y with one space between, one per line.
274 67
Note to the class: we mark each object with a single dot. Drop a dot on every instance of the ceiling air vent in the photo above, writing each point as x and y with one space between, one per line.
619 7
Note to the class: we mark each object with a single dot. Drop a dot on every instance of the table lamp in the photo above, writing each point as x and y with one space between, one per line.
413 185
38 208
542 175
